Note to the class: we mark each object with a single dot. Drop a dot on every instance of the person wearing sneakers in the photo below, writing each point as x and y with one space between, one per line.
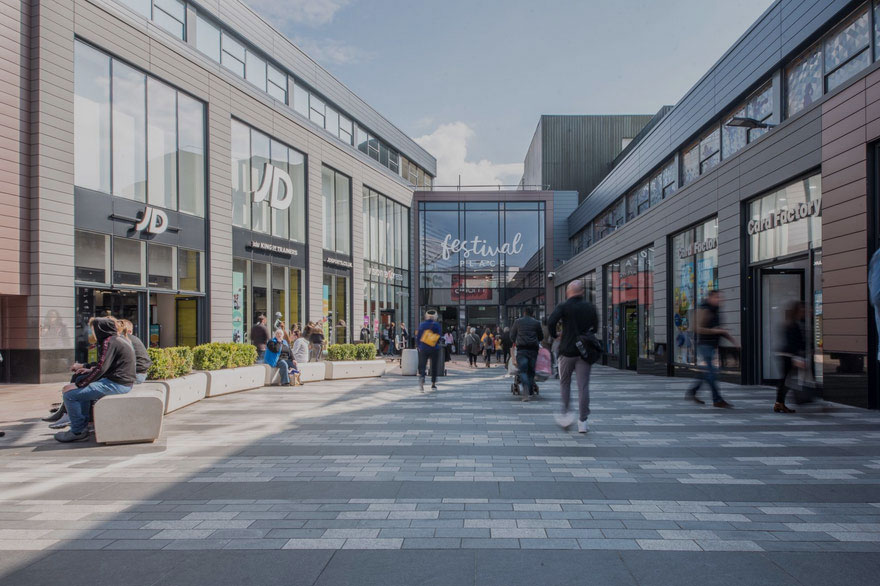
709 333
578 317
428 336
114 374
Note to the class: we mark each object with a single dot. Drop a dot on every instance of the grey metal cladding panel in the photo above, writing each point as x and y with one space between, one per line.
753 57
250 26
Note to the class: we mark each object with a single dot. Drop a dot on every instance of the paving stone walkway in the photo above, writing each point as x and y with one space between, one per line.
305 485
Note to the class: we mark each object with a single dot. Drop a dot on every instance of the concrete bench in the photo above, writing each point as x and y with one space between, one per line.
337 370
308 373
133 417
233 380
184 391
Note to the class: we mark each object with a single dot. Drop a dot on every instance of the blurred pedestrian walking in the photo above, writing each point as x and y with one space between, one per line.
709 334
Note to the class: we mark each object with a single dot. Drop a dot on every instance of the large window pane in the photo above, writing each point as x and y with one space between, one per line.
255 70
232 56
852 37
129 133
162 144
170 15
280 218
241 175
328 189
191 140
190 270
691 164
142 7
804 81
207 38
91 257
161 267
295 296
316 110
343 214
297 169
850 69
260 154
383 232
301 100
277 86
240 290
332 122
128 262
91 118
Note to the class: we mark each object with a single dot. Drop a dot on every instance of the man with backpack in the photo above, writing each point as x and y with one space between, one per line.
579 319
527 334
428 336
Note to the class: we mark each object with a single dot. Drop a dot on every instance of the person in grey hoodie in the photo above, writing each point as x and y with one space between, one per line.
113 374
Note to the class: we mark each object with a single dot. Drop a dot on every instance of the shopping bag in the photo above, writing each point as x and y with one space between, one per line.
511 364
429 338
544 365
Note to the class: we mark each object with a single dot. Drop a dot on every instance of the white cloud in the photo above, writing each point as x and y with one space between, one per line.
290 12
448 143
331 51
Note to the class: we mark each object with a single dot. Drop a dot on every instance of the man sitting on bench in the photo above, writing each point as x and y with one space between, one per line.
113 374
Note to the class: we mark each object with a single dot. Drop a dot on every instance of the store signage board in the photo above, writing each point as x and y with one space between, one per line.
479 247
270 188
269 247
784 216
152 221
698 247
346 264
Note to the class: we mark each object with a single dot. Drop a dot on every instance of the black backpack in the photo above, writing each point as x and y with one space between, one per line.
589 346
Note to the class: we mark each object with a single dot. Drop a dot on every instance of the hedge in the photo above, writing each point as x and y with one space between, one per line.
170 362
344 352
218 355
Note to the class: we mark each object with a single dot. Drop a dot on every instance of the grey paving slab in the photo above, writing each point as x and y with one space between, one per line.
466 473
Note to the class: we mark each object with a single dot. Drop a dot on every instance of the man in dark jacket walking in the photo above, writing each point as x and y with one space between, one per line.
114 374
526 334
428 336
578 316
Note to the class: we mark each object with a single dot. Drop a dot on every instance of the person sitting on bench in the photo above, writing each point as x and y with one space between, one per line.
113 374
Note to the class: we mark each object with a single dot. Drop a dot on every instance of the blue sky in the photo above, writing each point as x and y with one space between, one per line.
469 79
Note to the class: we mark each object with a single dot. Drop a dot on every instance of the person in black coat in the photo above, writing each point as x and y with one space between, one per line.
792 352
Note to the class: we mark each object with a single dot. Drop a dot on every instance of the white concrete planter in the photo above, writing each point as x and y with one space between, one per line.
233 380
184 390
354 369
409 362
133 417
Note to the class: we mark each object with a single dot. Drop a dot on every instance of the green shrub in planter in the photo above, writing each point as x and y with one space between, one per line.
364 352
181 359
162 366
219 355
338 352
243 354
210 356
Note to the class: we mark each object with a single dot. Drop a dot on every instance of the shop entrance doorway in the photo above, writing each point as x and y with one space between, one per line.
120 304
780 288
335 306
482 317
630 328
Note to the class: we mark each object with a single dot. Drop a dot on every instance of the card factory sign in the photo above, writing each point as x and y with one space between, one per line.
785 215
698 247
479 248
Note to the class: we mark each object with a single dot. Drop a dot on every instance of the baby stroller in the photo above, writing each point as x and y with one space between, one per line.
512 370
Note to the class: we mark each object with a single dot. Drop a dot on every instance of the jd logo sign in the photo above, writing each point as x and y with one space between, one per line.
270 188
152 222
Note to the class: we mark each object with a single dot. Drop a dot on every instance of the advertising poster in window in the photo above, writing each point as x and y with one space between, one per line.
683 299
473 288
237 307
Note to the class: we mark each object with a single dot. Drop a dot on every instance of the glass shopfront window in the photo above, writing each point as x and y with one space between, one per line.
386 270
694 274
265 289
336 191
149 138
629 309
257 158
784 241
481 262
